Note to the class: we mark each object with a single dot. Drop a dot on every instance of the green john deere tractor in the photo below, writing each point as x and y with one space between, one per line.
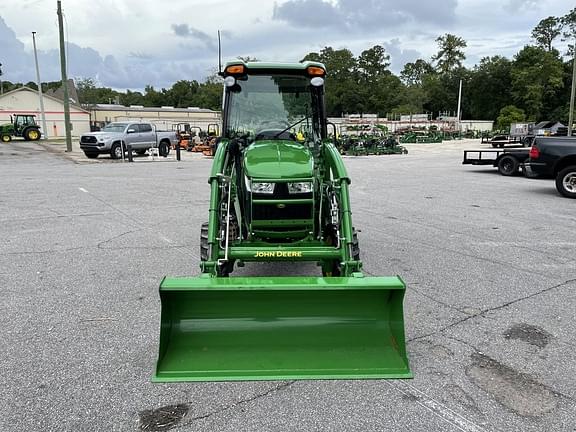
279 191
22 126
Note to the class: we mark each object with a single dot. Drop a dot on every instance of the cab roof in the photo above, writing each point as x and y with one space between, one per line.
261 66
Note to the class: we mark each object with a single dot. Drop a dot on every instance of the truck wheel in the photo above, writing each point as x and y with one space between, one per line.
566 182
163 149
116 151
508 166
90 155
6 138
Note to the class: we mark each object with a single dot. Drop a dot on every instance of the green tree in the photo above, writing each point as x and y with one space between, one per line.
154 98
183 94
450 54
373 63
132 98
508 115
537 75
210 93
569 30
413 73
490 87
546 31
342 94
88 92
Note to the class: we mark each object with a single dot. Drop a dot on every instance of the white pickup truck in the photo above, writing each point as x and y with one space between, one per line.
114 139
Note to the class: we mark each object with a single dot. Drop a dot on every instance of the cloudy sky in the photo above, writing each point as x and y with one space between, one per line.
132 43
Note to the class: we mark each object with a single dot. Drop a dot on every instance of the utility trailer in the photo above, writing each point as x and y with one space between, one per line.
509 161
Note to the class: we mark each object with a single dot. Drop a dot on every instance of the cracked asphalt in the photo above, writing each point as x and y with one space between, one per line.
489 263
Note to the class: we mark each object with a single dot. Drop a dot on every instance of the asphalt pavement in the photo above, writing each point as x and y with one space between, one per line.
489 263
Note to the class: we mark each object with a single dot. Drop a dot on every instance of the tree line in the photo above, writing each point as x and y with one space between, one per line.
534 85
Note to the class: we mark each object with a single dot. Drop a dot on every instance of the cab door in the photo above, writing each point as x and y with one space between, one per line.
133 136
147 135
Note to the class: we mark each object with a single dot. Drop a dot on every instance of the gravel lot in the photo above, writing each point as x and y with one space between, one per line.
489 262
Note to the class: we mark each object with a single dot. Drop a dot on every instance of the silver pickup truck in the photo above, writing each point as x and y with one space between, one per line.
114 138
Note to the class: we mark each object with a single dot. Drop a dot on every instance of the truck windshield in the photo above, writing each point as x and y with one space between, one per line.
115 127
264 103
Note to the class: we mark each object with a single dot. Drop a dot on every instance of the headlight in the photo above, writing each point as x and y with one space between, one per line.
300 187
262 188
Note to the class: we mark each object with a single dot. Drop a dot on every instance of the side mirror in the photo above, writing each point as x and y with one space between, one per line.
131 131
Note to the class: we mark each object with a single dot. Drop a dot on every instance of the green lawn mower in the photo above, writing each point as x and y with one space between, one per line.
279 191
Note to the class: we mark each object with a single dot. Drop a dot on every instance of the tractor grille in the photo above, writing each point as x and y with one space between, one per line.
290 211
88 139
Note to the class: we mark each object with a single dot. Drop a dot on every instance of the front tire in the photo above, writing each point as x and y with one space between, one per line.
116 151
204 242
566 182
508 166
91 155
6 138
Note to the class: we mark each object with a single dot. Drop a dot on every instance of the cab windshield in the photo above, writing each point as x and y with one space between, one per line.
114 127
271 107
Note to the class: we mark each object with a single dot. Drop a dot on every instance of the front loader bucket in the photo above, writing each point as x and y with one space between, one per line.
281 328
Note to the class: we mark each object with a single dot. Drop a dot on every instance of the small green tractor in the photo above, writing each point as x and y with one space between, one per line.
22 126
279 192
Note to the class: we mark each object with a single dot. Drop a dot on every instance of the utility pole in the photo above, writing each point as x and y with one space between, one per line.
1 84
571 113
64 80
459 103
42 112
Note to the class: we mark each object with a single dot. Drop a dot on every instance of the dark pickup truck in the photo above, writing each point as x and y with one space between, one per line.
555 157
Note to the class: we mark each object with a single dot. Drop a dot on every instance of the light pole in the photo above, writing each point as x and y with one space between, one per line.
64 80
1 84
42 112
571 113
459 104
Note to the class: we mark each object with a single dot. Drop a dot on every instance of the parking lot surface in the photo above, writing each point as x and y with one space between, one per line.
489 263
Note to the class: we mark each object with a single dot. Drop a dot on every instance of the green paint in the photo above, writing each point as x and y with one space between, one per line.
276 159
257 328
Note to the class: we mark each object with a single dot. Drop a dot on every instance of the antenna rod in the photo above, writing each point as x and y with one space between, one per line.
219 55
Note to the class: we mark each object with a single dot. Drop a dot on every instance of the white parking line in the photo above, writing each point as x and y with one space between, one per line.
83 190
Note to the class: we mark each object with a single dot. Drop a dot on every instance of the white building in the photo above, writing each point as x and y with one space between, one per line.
25 100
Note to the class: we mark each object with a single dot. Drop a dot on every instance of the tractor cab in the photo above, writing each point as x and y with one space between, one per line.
22 121
276 116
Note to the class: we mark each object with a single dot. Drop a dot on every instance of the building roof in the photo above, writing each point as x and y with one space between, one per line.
47 96
72 93
140 108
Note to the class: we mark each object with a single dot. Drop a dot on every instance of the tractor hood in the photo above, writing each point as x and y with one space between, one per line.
278 159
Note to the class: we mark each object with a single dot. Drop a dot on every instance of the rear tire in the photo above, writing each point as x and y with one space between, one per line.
508 166
163 149
31 134
566 182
